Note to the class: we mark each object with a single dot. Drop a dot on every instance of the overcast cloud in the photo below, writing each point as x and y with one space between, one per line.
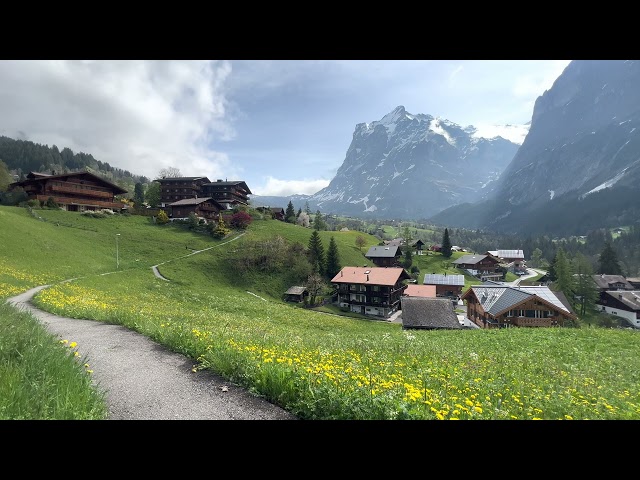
282 126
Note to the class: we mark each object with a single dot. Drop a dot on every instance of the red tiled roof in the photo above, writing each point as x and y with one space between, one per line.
371 275
420 291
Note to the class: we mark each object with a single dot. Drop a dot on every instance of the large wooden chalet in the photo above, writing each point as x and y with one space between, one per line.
174 189
485 267
500 306
75 192
370 290
203 207
384 255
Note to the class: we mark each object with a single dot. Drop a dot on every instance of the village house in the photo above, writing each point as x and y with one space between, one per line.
384 255
446 285
204 207
513 259
228 194
485 267
622 303
502 306
612 282
424 291
296 294
74 192
174 189
370 290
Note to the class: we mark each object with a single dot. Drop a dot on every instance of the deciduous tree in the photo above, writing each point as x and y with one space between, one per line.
169 172
360 242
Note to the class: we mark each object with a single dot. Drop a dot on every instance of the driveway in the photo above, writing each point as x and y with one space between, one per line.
143 380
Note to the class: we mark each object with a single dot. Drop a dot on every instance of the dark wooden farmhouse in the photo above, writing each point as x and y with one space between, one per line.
622 303
296 294
384 255
203 207
75 192
612 282
501 306
173 189
229 194
446 285
422 313
418 245
512 259
485 267
370 290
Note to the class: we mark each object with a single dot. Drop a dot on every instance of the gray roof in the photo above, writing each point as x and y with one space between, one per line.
605 282
181 179
440 279
510 254
498 298
428 313
190 201
630 299
383 251
470 259
296 290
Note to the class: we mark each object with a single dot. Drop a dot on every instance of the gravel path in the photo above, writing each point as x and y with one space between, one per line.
144 380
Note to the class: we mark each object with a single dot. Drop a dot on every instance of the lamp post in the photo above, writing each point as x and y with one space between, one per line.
117 253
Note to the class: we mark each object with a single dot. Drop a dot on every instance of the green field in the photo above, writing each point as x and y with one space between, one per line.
314 364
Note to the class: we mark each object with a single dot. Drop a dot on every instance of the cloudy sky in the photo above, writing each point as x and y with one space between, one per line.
282 126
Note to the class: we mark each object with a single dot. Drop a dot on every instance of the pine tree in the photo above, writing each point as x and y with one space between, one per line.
290 213
609 264
138 196
446 244
318 222
565 281
316 253
585 288
333 259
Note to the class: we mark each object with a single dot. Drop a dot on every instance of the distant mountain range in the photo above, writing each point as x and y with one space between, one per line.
407 166
577 169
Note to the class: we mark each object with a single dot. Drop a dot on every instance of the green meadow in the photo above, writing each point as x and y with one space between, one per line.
314 364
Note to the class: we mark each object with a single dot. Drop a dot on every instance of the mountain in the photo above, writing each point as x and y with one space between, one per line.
579 165
408 166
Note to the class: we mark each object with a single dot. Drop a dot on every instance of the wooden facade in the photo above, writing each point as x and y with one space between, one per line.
174 189
485 267
384 256
231 193
206 208
75 192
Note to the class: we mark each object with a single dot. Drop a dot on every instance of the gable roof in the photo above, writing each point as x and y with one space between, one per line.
418 242
630 299
33 177
397 242
296 290
383 251
193 201
387 276
496 299
181 179
605 282
428 313
413 290
440 279
232 183
506 253
470 259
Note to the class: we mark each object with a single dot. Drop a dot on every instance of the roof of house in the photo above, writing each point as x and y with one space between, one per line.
630 298
506 253
413 290
496 299
192 201
428 313
388 276
36 176
181 179
605 282
470 259
440 279
418 242
383 251
295 290
230 183
395 242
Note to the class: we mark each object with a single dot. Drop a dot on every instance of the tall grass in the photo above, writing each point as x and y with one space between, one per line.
322 366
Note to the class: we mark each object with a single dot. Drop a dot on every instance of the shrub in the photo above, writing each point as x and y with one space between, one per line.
162 217
241 220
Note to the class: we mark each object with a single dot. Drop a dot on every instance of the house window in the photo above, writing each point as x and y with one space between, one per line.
376 288
352 287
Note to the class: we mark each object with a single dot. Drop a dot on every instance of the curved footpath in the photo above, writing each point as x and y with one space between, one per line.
143 380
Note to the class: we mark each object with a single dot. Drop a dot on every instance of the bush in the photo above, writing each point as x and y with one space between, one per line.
241 220
51 203
162 218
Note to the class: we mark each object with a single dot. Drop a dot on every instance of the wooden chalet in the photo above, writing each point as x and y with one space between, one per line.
612 282
420 313
174 189
384 255
296 294
622 303
277 213
74 192
513 259
230 194
501 306
446 285
485 267
370 290
204 207
418 246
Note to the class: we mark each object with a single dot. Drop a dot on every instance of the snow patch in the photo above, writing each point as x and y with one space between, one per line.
551 194
435 127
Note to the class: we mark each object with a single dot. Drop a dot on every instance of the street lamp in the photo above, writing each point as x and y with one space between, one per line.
117 253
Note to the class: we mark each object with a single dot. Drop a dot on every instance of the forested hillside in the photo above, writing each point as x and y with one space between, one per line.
23 156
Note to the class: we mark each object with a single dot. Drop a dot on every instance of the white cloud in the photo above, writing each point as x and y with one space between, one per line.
536 82
139 116
283 188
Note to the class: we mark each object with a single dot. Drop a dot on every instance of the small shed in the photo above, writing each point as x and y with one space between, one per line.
296 294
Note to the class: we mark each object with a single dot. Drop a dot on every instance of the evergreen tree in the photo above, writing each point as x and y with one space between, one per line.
298 214
565 281
290 213
316 253
318 222
307 209
446 244
138 196
152 195
585 288
408 260
536 258
609 264
333 259
551 273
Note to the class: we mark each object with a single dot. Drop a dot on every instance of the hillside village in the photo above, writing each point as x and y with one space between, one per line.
381 288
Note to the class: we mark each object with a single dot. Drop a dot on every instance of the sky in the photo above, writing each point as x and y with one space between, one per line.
281 126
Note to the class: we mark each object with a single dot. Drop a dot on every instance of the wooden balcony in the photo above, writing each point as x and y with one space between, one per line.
85 192
80 201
